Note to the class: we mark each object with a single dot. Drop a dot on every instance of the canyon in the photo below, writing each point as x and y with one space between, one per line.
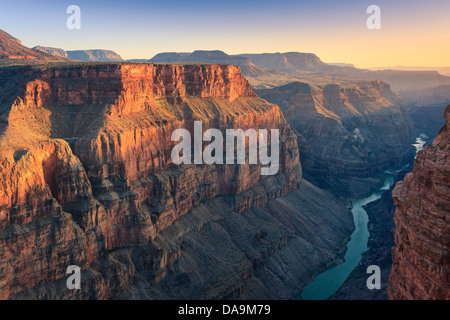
87 179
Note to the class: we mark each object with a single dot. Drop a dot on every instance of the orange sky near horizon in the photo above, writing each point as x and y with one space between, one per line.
413 32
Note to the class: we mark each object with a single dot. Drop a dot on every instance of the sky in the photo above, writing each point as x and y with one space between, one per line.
413 32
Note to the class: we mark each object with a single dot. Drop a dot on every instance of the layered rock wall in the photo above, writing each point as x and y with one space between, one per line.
357 129
421 258
85 160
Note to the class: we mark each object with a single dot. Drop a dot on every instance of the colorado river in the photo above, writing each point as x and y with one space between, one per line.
420 142
328 282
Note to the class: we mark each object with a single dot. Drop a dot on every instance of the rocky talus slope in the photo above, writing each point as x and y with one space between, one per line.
86 178
421 258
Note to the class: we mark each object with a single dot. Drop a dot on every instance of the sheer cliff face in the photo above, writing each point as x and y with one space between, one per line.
355 129
85 162
421 258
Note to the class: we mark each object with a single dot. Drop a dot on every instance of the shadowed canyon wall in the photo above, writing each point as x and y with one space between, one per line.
350 131
421 258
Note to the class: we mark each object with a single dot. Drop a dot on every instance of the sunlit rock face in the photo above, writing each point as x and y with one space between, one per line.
85 168
421 268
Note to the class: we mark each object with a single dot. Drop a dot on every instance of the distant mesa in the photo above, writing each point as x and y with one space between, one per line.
12 49
137 60
53 51
343 65
215 57
97 55
442 70
288 62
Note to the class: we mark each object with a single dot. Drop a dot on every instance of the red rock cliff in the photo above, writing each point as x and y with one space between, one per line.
85 162
421 268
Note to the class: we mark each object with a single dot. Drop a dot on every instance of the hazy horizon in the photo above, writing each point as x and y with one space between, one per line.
412 34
